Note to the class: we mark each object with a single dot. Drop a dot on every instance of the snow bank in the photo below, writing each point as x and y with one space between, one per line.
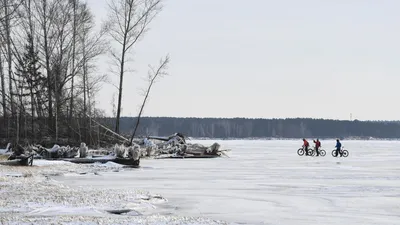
30 195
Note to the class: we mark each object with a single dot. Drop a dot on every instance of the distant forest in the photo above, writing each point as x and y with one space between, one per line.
258 128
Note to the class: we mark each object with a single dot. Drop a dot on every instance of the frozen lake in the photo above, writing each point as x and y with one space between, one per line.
266 182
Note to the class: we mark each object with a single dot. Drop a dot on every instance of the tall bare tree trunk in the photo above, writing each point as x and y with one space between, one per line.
32 38
32 112
9 60
48 69
84 87
3 95
89 118
56 104
121 81
21 108
25 127
128 22
73 64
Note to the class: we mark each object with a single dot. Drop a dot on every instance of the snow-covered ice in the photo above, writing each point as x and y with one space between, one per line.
263 182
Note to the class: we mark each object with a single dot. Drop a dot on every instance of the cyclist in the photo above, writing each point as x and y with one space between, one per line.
305 146
338 147
317 146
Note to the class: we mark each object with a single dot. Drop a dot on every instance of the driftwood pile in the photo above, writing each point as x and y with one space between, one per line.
56 152
16 156
175 146
121 154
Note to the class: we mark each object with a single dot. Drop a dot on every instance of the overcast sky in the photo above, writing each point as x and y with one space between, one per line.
268 59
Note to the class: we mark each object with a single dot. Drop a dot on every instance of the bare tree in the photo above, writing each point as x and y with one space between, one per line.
2 77
7 28
128 22
153 75
92 45
9 17
45 15
10 13
74 6
63 57
3 92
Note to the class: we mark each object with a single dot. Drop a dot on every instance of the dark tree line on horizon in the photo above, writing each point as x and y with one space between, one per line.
260 128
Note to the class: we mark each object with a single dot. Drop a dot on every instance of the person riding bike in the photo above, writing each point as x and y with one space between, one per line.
317 146
305 146
338 147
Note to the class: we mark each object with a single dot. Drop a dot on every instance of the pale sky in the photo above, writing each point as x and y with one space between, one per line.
268 59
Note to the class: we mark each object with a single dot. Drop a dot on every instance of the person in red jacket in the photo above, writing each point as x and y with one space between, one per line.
305 146
317 146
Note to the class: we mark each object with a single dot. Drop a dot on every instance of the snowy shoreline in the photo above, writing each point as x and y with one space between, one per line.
31 196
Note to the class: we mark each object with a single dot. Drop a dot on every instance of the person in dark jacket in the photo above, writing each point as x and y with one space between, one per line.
317 146
338 147
305 146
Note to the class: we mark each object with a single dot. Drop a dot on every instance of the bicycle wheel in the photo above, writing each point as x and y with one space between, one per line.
345 153
322 152
334 153
300 152
311 152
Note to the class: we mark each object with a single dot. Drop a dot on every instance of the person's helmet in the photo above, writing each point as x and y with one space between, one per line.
317 139
337 139
304 139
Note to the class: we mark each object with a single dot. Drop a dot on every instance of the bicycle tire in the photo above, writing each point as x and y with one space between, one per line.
345 153
322 152
300 152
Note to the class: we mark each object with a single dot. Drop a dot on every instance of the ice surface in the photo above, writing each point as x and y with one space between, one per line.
263 182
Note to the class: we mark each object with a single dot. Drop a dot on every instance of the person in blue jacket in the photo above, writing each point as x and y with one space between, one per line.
338 147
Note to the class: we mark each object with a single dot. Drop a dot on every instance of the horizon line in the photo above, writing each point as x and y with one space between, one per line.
256 118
